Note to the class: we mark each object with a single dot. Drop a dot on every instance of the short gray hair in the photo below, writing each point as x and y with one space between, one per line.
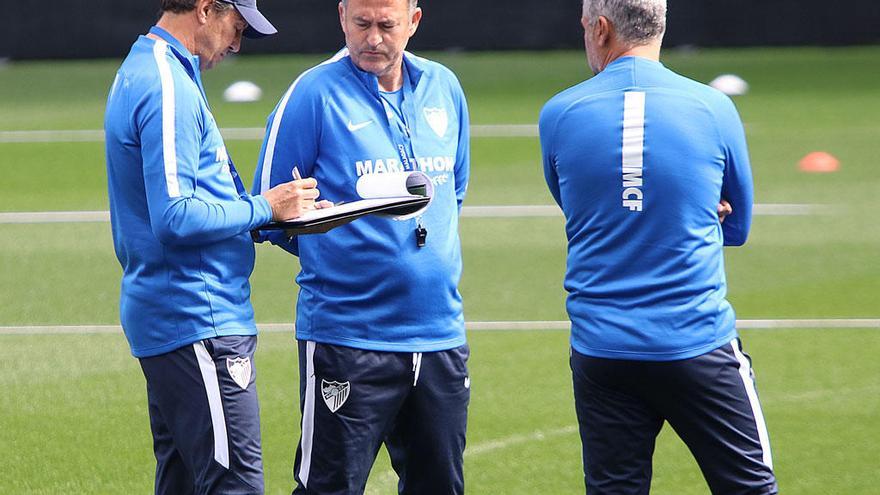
637 22
413 4
180 6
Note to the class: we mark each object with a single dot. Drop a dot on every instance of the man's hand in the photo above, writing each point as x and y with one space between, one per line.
724 209
292 199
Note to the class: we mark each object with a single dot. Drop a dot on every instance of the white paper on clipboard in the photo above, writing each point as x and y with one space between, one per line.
397 184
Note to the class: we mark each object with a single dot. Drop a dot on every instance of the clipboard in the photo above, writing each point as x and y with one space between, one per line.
325 219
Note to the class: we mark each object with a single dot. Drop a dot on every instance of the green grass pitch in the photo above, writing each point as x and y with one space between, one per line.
73 418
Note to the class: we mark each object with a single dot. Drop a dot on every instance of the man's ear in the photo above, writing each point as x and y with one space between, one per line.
203 9
604 30
342 16
416 19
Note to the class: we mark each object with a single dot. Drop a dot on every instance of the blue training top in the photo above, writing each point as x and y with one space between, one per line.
638 158
179 213
366 284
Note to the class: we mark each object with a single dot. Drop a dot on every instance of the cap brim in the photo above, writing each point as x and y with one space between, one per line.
258 25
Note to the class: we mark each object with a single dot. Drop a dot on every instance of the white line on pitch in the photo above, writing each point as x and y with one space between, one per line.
513 211
809 323
233 134
503 443
55 217
250 133
387 480
55 136
476 326
741 324
774 209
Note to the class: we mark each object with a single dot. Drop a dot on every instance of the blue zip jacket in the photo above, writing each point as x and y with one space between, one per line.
638 158
180 216
366 284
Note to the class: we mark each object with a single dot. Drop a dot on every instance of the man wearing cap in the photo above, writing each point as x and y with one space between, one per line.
181 221
639 159
382 348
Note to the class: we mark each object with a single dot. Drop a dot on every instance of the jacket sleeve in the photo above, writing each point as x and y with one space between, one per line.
292 138
737 187
546 130
170 125
463 155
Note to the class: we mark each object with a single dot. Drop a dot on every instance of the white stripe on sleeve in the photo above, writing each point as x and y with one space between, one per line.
308 416
745 373
212 388
169 150
266 176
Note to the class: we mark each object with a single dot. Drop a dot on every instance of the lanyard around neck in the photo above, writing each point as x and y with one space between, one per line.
402 133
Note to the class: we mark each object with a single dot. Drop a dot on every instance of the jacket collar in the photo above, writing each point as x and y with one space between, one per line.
190 62
414 66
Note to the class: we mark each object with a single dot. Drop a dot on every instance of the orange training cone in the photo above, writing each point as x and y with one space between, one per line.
819 162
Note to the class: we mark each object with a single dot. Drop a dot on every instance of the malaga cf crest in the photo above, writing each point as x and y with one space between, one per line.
240 370
335 394
437 119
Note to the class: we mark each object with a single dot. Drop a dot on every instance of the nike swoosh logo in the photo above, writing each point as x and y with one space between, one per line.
357 127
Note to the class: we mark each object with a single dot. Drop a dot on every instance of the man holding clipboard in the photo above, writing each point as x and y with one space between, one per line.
382 347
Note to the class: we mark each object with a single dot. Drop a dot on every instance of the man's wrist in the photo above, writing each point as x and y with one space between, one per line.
266 211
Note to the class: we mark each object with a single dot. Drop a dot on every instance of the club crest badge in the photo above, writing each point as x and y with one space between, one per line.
240 370
437 119
335 394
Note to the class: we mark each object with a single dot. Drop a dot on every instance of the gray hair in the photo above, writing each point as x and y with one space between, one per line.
180 6
413 4
637 22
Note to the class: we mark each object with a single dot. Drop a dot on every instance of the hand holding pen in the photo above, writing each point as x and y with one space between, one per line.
292 199
318 204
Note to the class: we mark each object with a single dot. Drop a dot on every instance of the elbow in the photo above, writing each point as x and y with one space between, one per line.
169 233
735 237
734 242
737 226
171 227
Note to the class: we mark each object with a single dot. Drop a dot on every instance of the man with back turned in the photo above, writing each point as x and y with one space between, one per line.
646 165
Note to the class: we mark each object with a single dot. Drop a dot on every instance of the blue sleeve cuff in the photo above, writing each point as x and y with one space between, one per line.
262 209
263 214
